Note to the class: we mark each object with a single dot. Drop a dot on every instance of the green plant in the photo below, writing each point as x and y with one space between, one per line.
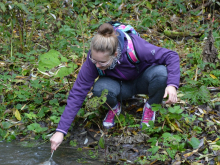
73 143
194 142
35 127
142 160
195 92
81 160
93 155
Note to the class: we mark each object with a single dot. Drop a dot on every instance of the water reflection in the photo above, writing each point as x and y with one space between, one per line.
14 154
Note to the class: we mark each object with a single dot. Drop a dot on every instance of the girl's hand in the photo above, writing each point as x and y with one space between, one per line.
56 140
171 91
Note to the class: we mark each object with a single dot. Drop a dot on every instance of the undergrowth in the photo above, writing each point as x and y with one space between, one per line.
44 43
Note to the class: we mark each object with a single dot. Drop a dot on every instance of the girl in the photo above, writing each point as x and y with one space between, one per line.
157 75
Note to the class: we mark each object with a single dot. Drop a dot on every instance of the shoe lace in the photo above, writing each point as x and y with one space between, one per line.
148 114
111 114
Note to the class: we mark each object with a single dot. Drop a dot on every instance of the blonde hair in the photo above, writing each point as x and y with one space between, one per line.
105 40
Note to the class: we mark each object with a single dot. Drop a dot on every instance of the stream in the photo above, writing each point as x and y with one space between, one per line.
14 154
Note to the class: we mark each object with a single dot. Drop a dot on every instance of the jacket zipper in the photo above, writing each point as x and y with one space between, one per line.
121 74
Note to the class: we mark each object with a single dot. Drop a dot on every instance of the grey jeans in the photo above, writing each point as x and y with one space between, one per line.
151 82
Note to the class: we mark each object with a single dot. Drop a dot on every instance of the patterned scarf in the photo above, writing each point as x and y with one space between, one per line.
116 59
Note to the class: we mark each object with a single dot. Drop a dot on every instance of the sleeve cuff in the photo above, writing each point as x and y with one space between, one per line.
59 130
173 85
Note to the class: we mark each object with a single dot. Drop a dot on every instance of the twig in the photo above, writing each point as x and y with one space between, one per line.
163 123
83 41
156 32
68 83
214 89
172 125
116 117
196 74
213 15
42 46
202 12
91 135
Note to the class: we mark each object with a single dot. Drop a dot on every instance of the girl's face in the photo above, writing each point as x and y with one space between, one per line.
102 60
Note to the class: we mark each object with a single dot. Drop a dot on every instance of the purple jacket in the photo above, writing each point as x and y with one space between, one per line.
148 55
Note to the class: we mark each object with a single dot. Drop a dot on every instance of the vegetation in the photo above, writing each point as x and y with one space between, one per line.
43 44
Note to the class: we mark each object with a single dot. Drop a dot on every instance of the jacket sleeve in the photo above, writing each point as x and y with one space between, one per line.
153 55
77 94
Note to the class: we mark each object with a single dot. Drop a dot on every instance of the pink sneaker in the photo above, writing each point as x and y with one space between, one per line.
148 115
109 120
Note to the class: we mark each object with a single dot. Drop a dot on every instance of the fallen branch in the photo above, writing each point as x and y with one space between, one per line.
214 89
173 34
200 7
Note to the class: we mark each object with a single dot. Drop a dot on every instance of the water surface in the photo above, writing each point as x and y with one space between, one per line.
14 154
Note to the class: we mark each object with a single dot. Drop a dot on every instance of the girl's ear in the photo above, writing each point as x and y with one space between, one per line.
116 53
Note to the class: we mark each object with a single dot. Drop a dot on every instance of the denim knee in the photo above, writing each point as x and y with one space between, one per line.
159 71
111 85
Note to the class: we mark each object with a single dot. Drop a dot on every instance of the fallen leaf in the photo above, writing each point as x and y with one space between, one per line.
17 115
212 76
86 141
140 110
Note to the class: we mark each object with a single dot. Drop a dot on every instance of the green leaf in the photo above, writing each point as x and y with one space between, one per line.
163 111
53 102
154 149
55 119
149 6
6 125
88 114
171 152
166 135
30 115
2 6
218 142
153 141
151 123
49 60
55 64
42 112
175 109
36 128
102 142
194 142
156 107
23 7
2 133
